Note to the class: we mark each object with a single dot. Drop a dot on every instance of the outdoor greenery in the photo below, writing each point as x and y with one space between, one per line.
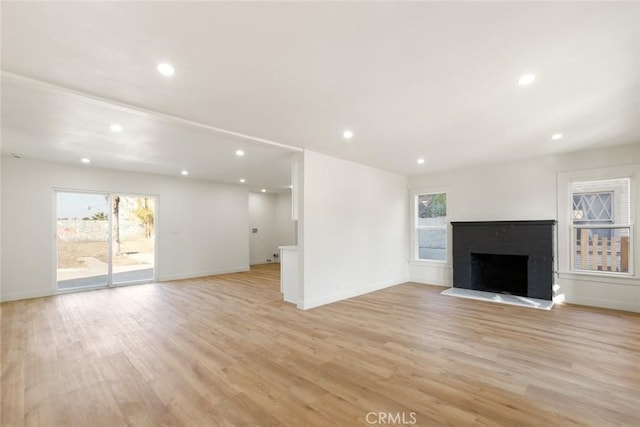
144 214
432 205
99 216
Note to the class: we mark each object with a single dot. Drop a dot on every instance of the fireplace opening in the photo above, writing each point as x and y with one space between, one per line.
499 273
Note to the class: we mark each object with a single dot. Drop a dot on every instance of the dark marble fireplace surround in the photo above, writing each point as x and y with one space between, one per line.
513 257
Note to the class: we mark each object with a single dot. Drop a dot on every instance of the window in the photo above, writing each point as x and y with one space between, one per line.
594 208
601 225
431 227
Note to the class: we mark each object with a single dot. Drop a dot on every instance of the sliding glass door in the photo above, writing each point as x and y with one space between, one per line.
82 236
104 239
133 248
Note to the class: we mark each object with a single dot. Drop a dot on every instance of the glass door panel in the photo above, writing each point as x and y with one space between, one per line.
82 240
133 243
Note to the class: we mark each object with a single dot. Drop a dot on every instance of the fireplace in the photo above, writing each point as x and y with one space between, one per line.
510 257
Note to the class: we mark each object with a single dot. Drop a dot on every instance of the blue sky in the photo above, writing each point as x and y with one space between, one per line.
80 205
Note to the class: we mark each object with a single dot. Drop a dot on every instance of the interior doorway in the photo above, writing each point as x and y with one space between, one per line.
104 239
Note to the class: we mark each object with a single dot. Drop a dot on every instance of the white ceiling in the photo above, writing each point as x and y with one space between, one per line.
47 123
434 80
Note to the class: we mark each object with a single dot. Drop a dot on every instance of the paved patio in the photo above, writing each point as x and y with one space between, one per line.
94 273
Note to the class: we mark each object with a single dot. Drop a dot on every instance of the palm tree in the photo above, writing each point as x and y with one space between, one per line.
116 223
99 216
144 213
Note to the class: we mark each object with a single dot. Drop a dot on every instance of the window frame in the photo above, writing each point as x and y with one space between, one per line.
566 228
415 241
595 225
611 194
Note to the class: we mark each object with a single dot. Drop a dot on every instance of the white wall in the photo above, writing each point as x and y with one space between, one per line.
1 222
201 227
525 190
262 215
285 226
271 215
354 229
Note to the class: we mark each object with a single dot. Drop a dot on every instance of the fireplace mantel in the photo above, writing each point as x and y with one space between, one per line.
497 244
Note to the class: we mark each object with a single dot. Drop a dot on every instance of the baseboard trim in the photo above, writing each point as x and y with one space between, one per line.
51 292
171 277
27 295
420 282
599 303
317 302
261 262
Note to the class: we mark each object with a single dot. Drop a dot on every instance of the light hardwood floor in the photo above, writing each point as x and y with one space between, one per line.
226 350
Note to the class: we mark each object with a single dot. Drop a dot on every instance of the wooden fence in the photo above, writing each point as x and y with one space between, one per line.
602 254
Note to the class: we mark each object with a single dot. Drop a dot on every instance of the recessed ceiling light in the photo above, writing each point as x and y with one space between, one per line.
420 161
185 173
85 160
242 180
526 79
239 153
347 134
115 127
263 190
166 69
556 136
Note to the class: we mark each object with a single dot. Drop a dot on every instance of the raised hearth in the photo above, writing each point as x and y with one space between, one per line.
540 304
508 257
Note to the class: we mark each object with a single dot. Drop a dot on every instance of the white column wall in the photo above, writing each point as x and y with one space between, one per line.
354 228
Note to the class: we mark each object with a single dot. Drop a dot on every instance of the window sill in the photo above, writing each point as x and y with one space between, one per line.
434 264
615 279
